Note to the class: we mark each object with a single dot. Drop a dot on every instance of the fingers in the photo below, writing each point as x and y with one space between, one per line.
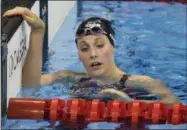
28 19
32 19
112 92
102 92
18 11
115 94
107 91
29 13
15 11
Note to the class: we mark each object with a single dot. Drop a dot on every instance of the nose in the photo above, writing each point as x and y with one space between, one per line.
93 53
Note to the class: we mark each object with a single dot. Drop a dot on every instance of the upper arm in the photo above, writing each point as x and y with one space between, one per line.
138 81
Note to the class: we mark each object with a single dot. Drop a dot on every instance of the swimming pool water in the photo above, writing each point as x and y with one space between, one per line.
150 40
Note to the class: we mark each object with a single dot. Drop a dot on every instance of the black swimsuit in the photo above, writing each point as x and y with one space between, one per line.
87 89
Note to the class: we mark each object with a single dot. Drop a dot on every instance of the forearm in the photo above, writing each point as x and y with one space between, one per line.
167 102
60 76
159 88
31 72
162 101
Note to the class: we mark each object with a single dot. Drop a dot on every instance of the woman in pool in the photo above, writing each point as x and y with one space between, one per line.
96 47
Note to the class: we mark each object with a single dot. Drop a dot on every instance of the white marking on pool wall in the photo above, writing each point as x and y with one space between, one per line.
57 12
17 49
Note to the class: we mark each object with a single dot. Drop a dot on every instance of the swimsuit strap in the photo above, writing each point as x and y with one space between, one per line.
123 80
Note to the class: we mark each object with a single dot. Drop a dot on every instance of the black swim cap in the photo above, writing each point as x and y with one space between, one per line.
96 25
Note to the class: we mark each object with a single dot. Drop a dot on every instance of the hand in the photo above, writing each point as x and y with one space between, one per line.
32 19
115 94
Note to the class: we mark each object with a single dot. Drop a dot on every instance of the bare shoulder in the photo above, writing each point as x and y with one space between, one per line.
142 81
139 78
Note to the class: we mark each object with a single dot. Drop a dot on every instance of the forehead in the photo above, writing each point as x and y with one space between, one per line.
91 38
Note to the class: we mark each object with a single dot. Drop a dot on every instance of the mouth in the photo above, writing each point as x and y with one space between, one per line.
95 64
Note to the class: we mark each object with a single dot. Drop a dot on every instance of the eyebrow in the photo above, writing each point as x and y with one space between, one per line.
99 38
83 42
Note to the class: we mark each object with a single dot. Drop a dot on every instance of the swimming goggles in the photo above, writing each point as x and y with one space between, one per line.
95 30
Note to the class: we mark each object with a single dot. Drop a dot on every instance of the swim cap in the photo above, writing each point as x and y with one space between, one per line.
95 26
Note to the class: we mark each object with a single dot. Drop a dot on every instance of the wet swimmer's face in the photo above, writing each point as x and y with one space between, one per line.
96 54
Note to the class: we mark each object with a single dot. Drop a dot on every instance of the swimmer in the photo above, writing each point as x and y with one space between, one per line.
96 46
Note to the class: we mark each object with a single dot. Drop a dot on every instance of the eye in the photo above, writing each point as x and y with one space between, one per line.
83 49
100 45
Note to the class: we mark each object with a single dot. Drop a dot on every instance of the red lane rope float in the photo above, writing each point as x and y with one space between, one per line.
75 110
80 111
74 114
26 108
177 114
157 113
53 113
95 110
116 111
136 111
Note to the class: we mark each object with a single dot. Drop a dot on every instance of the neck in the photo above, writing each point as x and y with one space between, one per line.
112 76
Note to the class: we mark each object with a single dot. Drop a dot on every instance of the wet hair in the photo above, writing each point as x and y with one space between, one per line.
105 25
